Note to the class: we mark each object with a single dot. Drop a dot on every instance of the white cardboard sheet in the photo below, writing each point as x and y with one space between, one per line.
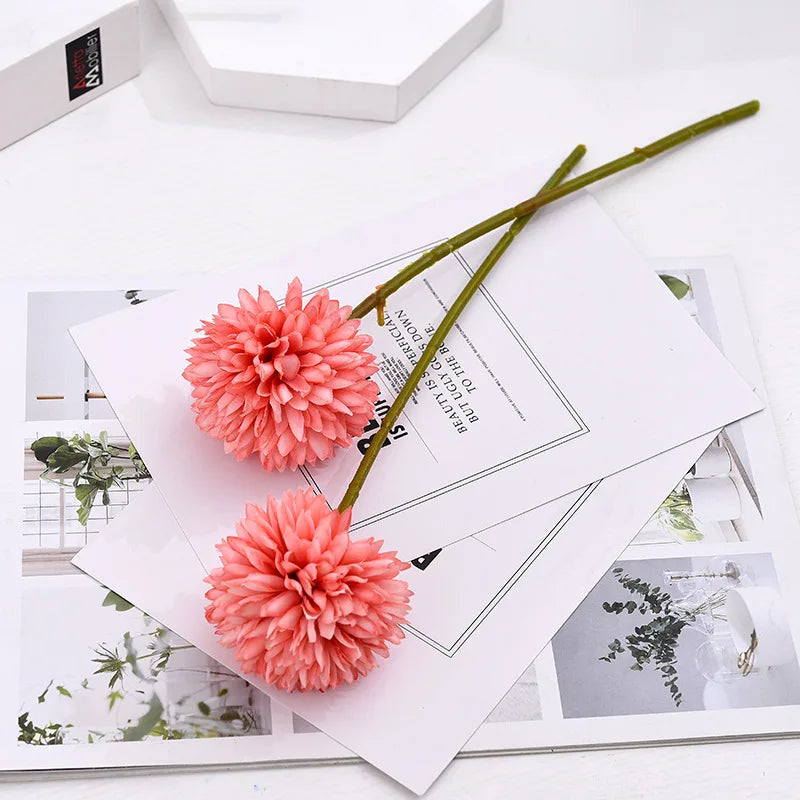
557 375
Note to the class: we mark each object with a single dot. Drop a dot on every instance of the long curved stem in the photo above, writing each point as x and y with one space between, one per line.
439 335
639 154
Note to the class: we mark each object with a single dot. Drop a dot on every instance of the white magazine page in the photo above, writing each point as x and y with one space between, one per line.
563 351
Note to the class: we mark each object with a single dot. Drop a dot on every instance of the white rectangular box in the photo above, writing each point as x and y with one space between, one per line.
363 59
56 57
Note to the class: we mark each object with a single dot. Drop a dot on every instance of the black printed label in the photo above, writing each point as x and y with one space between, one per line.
84 64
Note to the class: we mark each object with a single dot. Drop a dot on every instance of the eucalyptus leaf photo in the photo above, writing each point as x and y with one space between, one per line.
676 635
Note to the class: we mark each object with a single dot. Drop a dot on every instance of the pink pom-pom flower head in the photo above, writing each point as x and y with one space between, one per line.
305 607
289 383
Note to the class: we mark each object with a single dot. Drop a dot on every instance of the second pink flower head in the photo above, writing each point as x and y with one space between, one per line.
288 383
305 607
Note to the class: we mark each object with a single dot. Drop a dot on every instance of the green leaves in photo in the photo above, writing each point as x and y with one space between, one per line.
92 466
52 733
110 663
43 695
678 287
146 723
119 603
44 447
654 643
128 676
677 515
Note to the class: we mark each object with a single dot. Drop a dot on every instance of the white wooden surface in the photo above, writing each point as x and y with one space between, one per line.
153 177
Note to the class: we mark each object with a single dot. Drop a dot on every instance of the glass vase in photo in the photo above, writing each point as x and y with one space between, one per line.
676 516
204 700
718 660
700 609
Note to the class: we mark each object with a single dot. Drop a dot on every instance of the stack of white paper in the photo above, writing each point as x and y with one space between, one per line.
578 360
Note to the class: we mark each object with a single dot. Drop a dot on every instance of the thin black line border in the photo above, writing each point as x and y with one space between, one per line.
540 548
581 430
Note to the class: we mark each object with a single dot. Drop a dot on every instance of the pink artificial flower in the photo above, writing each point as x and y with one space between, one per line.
287 383
305 607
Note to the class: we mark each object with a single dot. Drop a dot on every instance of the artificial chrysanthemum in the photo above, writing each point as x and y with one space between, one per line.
305 607
288 383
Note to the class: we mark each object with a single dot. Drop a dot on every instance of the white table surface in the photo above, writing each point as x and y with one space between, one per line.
153 178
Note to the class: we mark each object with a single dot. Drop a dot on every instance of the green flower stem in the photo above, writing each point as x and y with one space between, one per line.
639 154
439 335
